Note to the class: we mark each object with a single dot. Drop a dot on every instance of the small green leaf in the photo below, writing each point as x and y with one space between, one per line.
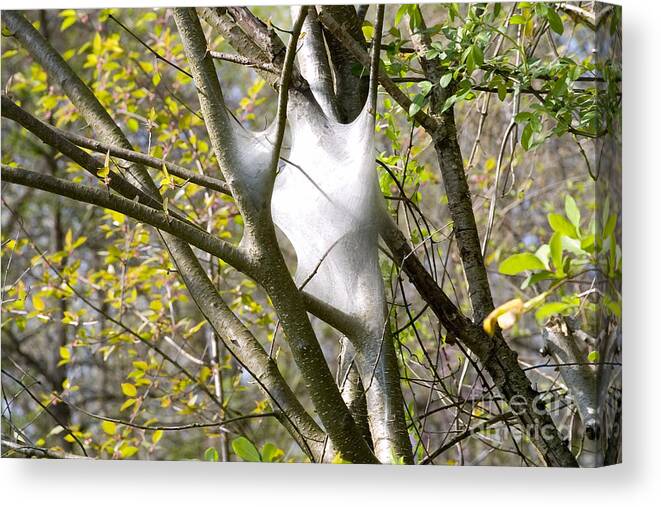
593 356
610 226
556 251
270 453
245 449
368 30
526 137
96 43
517 19
478 55
561 225
425 87
554 21
549 309
416 104
445 80
502 91
133 123
517 263
543 253
400 13
211 454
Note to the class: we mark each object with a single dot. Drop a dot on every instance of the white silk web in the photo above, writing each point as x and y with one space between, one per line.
327 202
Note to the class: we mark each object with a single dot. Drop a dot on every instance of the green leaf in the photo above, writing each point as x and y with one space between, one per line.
547 310
270 453
536 278
526 137
517 263
543 253
129 390
478 55
517 19
368 30
400 13
556 251
554 21
449 102
572 211
502 91
416 105
425 87
445 80
610 226
593 356
245 449
211 454
560 224
133 124
96 43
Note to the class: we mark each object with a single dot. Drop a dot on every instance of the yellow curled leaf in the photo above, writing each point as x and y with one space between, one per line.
505 316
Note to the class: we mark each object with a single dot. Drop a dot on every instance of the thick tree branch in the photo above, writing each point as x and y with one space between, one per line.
283 89
312 59
350 89
363 57
260 240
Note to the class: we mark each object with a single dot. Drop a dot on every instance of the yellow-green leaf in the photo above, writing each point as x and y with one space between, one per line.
140 365
158 434
129 390
105 170
128 451
517 263
96 44
67 22
109 427
245 449
68 241
38 303
128 403
65 353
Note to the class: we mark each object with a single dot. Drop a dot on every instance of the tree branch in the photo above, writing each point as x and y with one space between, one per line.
260 240
30 451
363 58
131 208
